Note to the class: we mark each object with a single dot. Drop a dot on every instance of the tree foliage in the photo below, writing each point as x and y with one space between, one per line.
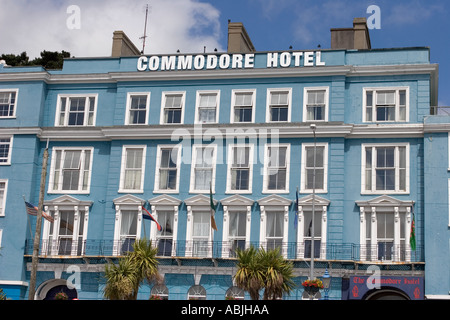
124 279
47 59
261 269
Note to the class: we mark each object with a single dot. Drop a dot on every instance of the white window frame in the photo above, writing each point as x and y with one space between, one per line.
320 208
396 166
53 165
130 95
3 202
230 163
305 102
67 111
123 168
289 103
52 247
197 105
164 96
14 106
397 104
118 221
369 221
8 158
164 203
232 205
266 168
233 104
303 175
277 204
193 168
158 164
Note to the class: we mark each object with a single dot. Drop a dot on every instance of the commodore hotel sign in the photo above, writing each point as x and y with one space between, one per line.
229 61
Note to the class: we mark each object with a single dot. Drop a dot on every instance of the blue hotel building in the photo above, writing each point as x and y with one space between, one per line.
135 131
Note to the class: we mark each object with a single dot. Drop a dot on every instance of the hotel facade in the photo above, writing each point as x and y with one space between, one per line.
347 136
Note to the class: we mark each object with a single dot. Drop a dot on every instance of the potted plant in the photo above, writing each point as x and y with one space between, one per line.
155 297
312 286
61 296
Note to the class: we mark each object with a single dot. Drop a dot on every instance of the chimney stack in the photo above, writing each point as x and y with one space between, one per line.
351 38
122 46
238 39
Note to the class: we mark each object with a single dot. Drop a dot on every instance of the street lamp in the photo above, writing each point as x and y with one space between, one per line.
311 271
326 281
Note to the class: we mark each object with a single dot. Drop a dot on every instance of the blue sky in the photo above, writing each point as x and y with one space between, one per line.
189 25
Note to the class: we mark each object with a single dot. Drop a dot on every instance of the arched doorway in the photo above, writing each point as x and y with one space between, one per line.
49 289
386 294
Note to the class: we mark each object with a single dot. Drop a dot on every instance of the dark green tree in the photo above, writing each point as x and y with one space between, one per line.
48 59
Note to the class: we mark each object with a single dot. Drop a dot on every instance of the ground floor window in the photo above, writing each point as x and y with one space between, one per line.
196 292
159 292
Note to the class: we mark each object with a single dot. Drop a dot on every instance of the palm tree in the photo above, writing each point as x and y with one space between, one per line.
258 269
278 274
120 280
249 275
144 260
123 280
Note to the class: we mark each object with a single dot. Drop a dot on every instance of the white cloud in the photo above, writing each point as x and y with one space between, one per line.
34 26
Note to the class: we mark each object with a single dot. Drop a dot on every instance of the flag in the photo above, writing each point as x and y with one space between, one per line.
296 210
33 210
412 234
148 216
213 208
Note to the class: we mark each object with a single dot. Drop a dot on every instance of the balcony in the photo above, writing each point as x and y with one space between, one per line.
439 111
380 253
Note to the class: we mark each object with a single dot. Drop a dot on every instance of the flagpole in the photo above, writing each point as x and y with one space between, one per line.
37 235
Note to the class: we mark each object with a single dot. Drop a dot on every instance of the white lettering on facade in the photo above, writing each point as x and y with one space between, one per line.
229 61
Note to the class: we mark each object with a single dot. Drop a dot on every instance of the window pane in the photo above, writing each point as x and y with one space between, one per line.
208 100
274 227
277 179
201 224
243 114
243 99
385 179
72 159
278 114
241 156
128 225
207 115
66 223
165 218
173 101
134 158
4 149
237 224
76 111
308 224
402 94
240 179
138 109
169 158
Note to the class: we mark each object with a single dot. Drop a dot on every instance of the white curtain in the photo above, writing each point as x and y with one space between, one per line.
128 224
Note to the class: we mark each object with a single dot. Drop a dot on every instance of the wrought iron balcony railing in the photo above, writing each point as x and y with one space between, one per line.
383 252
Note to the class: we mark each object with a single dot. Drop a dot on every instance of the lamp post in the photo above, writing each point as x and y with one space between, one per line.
311 270
326 281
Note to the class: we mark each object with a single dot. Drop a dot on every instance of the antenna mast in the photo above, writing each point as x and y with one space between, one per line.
145 29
